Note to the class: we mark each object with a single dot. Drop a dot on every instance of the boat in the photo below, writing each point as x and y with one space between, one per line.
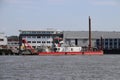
62 50
71 51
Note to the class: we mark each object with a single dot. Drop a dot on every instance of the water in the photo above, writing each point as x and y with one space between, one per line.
106 67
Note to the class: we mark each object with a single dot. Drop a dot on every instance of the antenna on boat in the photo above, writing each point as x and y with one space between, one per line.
89 46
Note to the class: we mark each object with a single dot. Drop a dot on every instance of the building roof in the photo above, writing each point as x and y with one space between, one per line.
95 34
45 31
48 29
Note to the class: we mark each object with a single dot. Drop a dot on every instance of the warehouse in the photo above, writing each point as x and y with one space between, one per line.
111 40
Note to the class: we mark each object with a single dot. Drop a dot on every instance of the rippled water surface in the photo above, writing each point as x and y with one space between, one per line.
106 67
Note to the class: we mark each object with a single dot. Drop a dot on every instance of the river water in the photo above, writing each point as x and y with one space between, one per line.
106 67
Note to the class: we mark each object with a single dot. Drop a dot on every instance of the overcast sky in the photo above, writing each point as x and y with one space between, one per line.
59 14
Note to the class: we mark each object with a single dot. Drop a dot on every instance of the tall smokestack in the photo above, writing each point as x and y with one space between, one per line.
89 33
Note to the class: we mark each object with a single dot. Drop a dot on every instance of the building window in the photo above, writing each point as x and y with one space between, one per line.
106 46
24 32
110 43
43 41
115 43
119 44
33 36
33 32
43 36
28 36
33 41
98 40
119 41
38 36
106 40
38 46
85 40
34 46
43 32
48 36
1 39
16 43
38 41
48 32
48 41
38 32
51 32
106 43
30 32
23 36
115 40
110 40
29 41
115 46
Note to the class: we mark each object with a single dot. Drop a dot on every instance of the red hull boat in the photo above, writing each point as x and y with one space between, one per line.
100 52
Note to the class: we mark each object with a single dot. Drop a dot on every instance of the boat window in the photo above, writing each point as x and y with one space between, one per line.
71 49
58 48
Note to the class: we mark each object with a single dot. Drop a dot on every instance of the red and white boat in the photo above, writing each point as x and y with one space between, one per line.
71 51
65 50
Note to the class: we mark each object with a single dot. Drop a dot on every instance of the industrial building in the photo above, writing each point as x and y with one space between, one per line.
110 40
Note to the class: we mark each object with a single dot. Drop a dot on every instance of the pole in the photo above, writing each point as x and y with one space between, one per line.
89 33
101 43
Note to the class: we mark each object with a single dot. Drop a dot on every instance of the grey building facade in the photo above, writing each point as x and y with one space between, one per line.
110 40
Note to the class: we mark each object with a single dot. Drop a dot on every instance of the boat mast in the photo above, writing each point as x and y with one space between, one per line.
89 46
